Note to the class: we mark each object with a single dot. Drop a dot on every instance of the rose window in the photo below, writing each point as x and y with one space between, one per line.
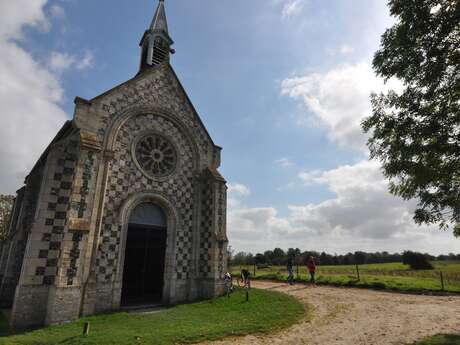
156 155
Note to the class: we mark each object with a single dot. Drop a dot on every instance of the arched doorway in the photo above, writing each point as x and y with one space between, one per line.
143 272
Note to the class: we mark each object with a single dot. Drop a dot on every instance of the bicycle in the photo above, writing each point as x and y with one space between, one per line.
228 281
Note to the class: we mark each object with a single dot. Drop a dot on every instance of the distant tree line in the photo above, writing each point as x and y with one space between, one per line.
278 256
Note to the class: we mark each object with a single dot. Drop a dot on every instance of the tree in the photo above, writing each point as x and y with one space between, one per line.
416 133
242 258
278 256
6 207
416 261
260 259
268 254
360 258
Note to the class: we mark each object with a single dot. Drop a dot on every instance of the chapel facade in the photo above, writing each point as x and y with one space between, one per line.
125 207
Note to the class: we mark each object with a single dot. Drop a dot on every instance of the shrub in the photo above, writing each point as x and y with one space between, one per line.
416 261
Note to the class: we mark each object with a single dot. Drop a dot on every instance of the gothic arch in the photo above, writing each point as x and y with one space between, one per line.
172 222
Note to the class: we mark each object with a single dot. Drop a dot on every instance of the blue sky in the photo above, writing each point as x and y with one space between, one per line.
281 84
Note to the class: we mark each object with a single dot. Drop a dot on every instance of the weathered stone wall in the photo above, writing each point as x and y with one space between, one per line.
155 101
73 262
22 222
126 179
213 235
157 88
48 233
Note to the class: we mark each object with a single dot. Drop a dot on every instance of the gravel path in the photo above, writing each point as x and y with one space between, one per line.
345 316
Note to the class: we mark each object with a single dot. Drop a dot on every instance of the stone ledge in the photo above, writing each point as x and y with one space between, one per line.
89 141
79 225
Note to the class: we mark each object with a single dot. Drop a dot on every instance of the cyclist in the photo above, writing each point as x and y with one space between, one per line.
245 278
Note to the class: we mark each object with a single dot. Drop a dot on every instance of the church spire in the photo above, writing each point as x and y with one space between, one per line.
159 21
156 42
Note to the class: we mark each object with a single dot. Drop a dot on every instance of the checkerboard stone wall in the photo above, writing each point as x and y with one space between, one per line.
206 229
79 215
55 251
161 88
126 179
49 230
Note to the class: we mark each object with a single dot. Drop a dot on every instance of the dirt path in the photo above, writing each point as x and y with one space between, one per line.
344 316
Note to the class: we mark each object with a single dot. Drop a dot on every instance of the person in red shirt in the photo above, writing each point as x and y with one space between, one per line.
311 265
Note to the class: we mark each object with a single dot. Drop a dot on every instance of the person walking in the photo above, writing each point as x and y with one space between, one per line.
311 265
245 278
290 270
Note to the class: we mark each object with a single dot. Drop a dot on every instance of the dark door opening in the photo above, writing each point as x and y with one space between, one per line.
143 276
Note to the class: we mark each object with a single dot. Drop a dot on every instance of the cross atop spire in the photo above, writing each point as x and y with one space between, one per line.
156 42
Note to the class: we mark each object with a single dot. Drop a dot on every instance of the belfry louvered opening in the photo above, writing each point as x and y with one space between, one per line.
160 52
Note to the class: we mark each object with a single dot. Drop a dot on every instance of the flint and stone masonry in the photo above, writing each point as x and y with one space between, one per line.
138 153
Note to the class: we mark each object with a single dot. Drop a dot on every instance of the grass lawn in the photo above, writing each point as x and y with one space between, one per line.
440 340
391 276
190 323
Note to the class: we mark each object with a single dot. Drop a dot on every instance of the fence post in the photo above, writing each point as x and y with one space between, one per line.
86 328
442 280
247 295
298 277
254 270
357 272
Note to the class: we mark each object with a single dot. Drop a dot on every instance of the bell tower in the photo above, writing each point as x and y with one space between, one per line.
156 42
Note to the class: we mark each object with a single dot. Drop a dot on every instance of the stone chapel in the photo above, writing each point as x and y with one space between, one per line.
124 208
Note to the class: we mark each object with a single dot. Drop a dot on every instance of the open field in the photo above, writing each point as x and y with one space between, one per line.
191 323
344 316
393 276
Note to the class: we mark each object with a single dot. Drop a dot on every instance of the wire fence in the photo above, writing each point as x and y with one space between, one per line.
437 279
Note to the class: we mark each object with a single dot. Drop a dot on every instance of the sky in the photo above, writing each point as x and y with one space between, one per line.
281 85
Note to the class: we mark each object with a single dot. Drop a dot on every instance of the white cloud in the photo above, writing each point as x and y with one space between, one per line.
362 216
17 13
239 189
363 206
292 8
346 49
236 191
340 98
86 61
57 11
60 62
29 94
284 162
311 177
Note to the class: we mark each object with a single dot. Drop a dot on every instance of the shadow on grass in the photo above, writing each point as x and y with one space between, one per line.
5 329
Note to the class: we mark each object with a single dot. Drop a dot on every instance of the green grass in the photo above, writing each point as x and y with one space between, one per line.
449 339
392 276
190 323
